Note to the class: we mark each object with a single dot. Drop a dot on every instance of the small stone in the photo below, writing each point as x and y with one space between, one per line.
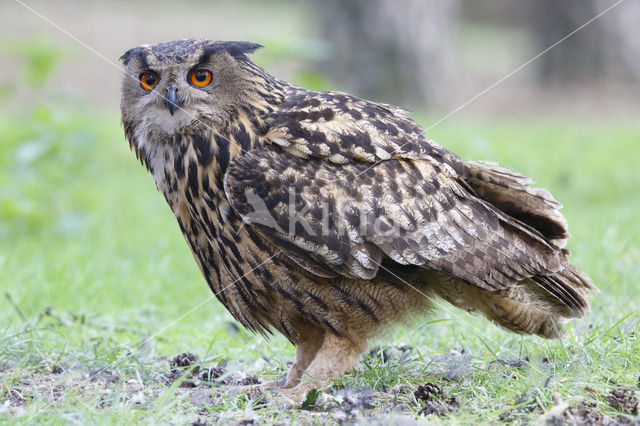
138 398
133 385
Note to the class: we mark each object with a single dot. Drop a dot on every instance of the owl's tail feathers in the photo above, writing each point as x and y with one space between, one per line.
513 194
538 305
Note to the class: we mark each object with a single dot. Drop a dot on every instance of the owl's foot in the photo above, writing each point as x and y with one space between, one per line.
271 385
294 396
331 358
320 358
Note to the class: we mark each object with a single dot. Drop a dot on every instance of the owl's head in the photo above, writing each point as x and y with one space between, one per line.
170 85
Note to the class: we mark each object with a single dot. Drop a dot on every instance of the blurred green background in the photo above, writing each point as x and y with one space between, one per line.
90 254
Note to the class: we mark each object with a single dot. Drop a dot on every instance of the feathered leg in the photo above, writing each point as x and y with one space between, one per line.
308 346
336 355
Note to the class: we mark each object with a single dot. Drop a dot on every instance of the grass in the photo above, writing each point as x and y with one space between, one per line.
100 290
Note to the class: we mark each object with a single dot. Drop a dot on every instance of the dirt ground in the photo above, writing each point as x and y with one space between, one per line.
206 386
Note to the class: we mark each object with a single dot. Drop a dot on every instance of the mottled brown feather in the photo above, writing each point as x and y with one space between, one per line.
418 222
441 226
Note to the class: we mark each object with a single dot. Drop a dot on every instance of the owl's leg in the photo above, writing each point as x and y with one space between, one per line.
310 338
336 355
309 344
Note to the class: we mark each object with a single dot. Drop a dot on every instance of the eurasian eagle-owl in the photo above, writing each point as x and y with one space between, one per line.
325 216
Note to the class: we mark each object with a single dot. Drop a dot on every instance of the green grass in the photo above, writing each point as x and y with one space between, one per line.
97 281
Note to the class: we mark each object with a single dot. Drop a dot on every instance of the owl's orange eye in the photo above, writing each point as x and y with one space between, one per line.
201 77
148 80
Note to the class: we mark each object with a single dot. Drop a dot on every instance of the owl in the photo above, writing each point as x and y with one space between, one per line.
326 217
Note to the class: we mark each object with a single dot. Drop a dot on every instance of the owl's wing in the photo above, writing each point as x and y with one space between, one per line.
341 128
342 219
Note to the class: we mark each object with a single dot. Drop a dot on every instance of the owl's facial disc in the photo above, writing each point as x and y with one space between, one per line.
178 84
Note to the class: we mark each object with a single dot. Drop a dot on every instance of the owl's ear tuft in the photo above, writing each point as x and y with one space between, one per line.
237 49
131 53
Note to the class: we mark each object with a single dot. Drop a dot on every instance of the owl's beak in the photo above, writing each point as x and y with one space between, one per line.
171 99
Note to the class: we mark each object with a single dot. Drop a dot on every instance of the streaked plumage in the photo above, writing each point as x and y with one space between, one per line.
325 216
